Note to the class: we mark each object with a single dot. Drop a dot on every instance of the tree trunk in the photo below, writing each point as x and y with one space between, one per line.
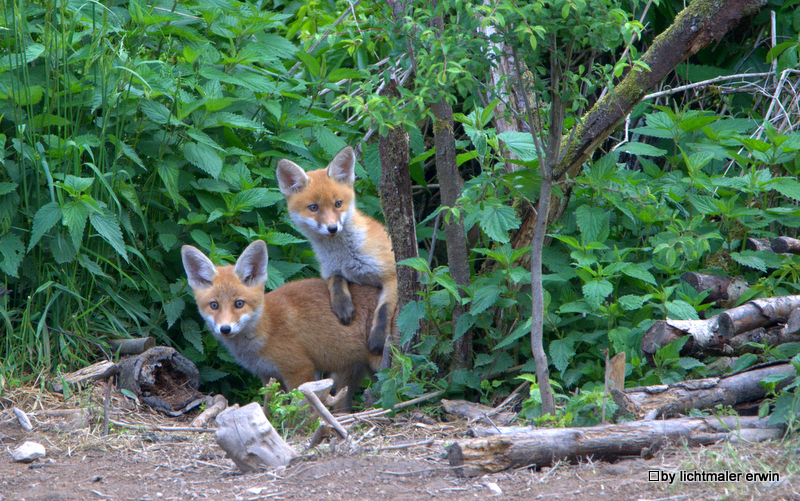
694 28
661 401
785 245
398 210
546 446
450 184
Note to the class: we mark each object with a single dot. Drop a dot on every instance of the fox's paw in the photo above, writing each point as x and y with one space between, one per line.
342 307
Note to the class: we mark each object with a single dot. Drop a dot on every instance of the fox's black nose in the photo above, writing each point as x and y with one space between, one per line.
225 329
332 229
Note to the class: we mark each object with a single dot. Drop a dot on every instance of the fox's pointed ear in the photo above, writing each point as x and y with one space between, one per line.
199 269
291 177
251 267
341 168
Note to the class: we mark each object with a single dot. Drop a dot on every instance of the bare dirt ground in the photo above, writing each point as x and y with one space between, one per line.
397 459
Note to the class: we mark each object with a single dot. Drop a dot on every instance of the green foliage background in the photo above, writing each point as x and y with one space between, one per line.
133 128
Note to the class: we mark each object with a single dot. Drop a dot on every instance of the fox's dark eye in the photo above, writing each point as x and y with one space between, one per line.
313 207
239 303
214 305
338 204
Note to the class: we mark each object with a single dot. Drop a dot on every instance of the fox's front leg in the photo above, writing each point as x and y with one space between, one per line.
341 301
384 314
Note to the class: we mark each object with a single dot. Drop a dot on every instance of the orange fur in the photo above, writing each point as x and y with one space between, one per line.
289 333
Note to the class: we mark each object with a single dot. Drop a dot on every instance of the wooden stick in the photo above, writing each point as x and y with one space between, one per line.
218 404
381 412
308 391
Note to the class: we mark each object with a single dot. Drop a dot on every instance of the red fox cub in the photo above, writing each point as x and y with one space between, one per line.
288 333
349 245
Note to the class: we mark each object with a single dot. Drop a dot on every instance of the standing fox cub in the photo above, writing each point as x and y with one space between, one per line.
288 333
349 245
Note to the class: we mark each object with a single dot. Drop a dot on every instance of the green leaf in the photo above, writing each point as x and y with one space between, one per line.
329 141
204 157
522 330
6 188
681 310
281 239
408 320
639 271
12 250
310 62
631 302
465 323
497 220
255 198
520 144
155 111
46 217
417 263
688 363
485 297
743 362
642 149
593 223
237 121
561 352
751 259
173 309
75 214
107 226
193 334
209 374
596 291
786 187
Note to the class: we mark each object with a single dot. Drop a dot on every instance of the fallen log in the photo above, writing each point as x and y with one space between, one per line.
546 446
785 245
133 346
724 291
756 313
775 336
163 379
758 244
703 335
793 323
653 402
250 440
94 372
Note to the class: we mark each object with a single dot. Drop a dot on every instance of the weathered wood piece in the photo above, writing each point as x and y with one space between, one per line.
250 440
723 291
793 323
545 446
785 245
478 413
653 402
756 313
162 378
309 391
133 346
775 336
216 404
663 332
24 420
757 244
100 370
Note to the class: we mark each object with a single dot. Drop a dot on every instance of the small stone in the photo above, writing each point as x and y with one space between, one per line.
28 452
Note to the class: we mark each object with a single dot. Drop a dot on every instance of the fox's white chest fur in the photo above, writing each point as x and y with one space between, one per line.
343 254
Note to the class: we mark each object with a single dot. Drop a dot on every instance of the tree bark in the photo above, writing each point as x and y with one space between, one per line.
664 401
694 28
450 185
785 245
756 313
398 210
725 291
546 446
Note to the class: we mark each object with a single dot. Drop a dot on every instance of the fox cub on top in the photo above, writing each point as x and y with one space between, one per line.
289 333
349 245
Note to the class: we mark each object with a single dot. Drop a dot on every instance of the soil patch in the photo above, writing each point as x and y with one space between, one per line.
398 459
